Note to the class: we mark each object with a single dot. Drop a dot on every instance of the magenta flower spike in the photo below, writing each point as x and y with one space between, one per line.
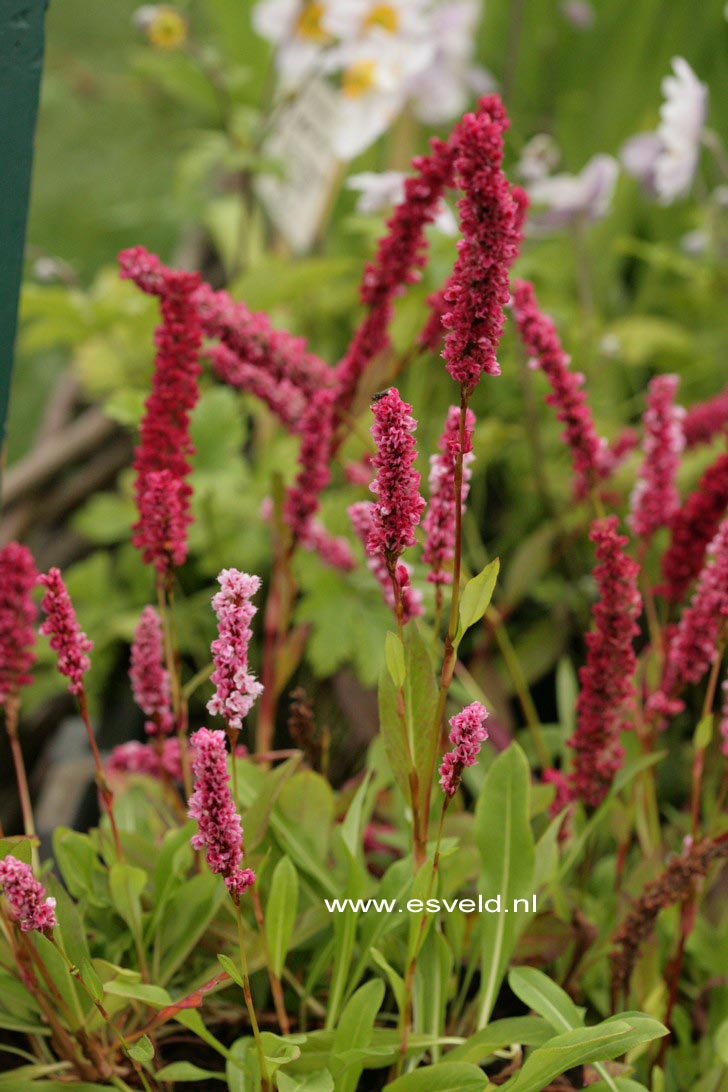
220 831
361 515
467 735
607 679
236 688
66 636
398 506
149 677
439 521
29 905
655 498
706 420
693 527
18 612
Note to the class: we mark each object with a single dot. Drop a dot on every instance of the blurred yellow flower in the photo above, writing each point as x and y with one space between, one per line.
166 28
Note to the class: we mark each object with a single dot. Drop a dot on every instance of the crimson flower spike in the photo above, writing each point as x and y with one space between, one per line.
655 498
693 527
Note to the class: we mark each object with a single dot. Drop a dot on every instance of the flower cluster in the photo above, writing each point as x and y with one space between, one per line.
439 521
655 498
491 218
692 528
29 905
361 515
467 734
607 678
302 500
399 505
400 256
162 760
538 333
165 445
220 831
149 677
706 420
66 636
18 612
236 688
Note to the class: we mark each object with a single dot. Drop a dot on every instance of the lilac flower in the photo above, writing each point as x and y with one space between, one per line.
220 831
467 733
29 905
237 689
66 636
655 498
569 198
385 190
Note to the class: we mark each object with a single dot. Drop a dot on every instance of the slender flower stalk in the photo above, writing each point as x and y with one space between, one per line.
439 521
72 646
607 679
29 905
655 498
149 677
18 612
693 527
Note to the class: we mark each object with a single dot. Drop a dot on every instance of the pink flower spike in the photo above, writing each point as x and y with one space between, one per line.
607 679
29 905
66 636
491 218
236 688
399 505
439 521
706 420
302 500
693 526
655 498
161 532
18 612
467 734
220 831
361 516
149 677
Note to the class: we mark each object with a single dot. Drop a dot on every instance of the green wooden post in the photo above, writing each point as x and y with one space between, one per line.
21 64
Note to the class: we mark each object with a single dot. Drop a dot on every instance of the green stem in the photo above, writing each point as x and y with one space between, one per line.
21 779
105 792
265 1080
699 760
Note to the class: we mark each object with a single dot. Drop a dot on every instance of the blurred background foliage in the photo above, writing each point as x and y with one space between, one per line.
161 147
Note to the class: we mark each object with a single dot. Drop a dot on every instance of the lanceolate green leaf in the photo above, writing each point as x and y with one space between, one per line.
446 1077
476 597
355 1030
280 914
504 838
546 998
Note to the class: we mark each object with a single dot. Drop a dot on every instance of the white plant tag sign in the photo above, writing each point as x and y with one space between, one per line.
301 141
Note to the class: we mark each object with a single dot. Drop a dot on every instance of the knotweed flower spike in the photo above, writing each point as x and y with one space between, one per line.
148 675
491 218
28 903
66 636
439 521
607 679
236 688
588 450
361 515
220 831
655 498
467 734
18 578
302 500
693 527
161 760
399 505
703 422
164 444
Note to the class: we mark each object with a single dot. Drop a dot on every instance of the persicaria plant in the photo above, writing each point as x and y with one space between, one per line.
245 914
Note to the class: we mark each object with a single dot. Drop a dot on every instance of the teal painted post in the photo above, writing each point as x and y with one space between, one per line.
21 64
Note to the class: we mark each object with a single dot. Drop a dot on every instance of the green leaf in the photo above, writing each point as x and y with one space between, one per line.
138 991
394 659
232 969
504 838
446 1077
567 689
526 1030
721 1042
142 1050
322 1081
607 1040
546 998
186 918
279 1051
421 694
703 733
186 1071
476 597
431 988
18 846
57 969
126 884
393 728
396 984
280 914
355 1030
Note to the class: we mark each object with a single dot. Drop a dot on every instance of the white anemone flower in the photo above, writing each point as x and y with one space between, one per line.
386 189
539 157
441 91
348 19
682 116
296 28
569 198
375 73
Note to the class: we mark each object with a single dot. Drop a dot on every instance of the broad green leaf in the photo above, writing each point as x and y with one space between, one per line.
504 838
393 728
314 1082
19 847
621 1084
446 1077
257 817
142 1050
232 969
280 913
186 1071
431 989
55 965
546 998
475 598
126 884
394 659
526 1030
186 918
138 991
721 1042
355 1030
396 983
607 1040
280 1051
351 829
421 695
703 733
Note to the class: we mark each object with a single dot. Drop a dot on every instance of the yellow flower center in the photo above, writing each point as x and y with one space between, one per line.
384 16
167 30
309 23
358 79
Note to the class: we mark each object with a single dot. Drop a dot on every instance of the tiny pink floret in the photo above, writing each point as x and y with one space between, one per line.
29 905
